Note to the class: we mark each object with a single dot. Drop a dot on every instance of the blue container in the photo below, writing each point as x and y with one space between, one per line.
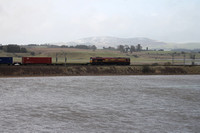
6 60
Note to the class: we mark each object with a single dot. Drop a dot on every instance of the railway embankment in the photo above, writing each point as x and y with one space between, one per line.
74 70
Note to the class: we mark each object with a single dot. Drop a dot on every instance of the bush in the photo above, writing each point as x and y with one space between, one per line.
155 64
147 69
23 50
167 63
193 63
32 53
173 70
136 56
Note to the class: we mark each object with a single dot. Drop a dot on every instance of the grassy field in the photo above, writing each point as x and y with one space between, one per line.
83 56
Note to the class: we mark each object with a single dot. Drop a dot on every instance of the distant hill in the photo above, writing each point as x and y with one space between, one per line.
183 45
106 41
114 42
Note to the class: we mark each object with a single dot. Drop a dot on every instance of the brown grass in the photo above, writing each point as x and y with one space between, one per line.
9 71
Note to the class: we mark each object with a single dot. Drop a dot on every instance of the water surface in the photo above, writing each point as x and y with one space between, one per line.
100 104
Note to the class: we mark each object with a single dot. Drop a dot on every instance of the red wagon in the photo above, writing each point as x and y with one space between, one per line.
36 60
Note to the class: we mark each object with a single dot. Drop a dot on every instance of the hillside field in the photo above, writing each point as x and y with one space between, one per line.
83 56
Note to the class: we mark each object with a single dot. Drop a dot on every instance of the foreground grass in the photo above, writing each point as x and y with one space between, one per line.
12 71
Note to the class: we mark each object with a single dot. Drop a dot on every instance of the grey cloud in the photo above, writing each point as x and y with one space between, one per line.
40 21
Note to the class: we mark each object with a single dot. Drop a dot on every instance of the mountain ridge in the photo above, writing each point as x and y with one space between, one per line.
108 41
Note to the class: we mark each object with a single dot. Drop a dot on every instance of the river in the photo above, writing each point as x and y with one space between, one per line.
111 104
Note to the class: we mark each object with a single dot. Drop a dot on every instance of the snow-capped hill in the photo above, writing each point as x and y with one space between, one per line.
105 41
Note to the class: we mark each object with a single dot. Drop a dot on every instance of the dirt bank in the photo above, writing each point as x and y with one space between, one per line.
12 71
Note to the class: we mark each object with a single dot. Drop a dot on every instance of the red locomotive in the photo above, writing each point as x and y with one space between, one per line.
109 61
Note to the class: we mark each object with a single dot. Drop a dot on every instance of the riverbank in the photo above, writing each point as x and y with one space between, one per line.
15 71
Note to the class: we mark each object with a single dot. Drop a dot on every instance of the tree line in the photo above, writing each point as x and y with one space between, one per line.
81 46
12 48
131 49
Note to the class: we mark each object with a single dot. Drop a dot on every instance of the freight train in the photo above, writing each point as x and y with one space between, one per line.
48 61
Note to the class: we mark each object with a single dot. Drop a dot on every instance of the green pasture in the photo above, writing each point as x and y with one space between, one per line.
83 56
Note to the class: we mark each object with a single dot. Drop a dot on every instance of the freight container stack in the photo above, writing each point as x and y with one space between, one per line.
36 60
6 60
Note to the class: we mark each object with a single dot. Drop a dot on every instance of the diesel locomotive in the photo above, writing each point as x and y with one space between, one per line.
109 61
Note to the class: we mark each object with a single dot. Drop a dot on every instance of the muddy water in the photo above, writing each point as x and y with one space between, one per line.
87 104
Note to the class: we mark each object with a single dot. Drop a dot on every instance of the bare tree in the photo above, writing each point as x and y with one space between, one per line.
93 47
138 47
132 49
121 48
126 48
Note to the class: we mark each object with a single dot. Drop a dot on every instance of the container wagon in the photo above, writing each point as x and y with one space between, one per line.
109 61
6 60
36 60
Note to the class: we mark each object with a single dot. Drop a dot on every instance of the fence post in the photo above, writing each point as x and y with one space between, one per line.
172 58
56 58
65 58
184 59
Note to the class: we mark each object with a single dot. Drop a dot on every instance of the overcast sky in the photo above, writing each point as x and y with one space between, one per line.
48 21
